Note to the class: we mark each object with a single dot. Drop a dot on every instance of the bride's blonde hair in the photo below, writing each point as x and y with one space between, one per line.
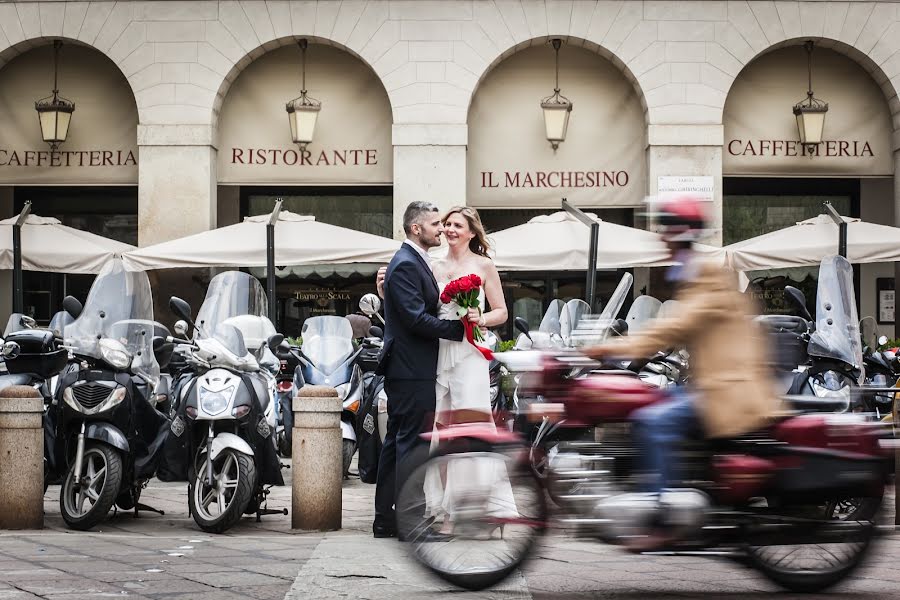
478 244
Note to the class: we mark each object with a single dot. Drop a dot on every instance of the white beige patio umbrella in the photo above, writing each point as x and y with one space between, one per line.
299 240
809 241
559 242
50 246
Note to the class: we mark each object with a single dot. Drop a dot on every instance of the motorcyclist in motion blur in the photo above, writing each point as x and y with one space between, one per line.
727 397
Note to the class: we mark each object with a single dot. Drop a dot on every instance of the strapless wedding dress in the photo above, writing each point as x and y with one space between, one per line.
462 387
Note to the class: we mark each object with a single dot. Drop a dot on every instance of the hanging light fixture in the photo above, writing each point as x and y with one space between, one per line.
304 110
556 108
55 112
810 112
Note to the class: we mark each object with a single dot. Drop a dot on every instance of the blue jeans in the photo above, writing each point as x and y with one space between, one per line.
659 430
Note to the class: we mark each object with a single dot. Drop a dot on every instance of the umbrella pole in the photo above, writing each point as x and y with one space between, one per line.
270 262
18 291
842 228
591 282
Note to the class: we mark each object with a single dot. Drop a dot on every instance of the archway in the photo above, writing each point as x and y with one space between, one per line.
90 182
514 174
771 181
344 177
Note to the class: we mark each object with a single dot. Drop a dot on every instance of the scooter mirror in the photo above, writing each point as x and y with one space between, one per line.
798 300
522 325
181 308
181 327
72 306
274 341
376 332
370 304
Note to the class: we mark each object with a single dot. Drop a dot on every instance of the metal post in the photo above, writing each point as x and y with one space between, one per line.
591 281
270 261
842 228
18 286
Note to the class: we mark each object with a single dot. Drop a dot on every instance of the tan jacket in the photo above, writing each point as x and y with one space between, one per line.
728 371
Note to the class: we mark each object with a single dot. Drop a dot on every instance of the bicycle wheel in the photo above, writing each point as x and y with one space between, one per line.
472 517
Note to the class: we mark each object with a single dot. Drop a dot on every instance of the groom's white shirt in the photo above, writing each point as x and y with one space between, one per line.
418 249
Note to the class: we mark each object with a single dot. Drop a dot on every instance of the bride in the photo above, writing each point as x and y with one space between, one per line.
462 379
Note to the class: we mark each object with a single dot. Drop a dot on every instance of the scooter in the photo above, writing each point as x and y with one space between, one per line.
227 408
328 357
105 432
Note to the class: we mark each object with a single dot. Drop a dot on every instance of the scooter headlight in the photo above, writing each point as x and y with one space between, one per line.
115 353
830 386
215 402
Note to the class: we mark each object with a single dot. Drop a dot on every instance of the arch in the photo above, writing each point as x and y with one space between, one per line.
11 52
858 56
274 44
567 40
101 146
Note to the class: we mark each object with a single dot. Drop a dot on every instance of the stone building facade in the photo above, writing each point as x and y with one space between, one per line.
439 100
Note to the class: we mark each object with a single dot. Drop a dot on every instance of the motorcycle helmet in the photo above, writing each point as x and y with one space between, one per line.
682 218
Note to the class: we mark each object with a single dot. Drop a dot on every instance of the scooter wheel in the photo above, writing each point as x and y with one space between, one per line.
218 507
86 504
348 449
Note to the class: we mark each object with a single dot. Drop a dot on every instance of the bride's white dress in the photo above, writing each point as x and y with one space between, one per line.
463 384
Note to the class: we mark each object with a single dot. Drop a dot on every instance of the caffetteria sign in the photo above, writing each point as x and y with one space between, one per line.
101 147
761 136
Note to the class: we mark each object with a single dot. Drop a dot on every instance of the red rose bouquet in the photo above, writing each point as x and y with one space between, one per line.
464 292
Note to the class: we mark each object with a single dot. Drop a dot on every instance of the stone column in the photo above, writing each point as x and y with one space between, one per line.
317 470
21 458
176 198
429 165
176 182
685 150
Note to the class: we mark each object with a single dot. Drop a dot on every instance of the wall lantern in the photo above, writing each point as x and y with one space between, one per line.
556 108
810 112
55 112
303 111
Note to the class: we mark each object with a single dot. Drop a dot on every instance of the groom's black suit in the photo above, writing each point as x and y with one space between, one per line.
409 363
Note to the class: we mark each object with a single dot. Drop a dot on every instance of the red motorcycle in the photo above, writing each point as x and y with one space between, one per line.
474 510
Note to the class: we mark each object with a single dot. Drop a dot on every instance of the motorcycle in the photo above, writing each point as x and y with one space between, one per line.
329 357
226 406
746 499
103 429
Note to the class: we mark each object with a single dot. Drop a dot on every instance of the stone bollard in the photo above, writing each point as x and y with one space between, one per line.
21 458
316 459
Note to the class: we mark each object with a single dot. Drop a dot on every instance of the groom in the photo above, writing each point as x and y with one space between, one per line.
409 356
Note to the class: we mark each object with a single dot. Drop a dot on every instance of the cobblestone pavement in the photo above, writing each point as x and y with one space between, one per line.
168 557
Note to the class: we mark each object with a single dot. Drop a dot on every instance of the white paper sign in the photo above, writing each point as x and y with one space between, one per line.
701 187
886 306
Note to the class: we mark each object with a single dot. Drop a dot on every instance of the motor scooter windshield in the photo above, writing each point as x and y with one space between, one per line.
837 333
548 334
60 321
592 330
642 311
119 309
231 294
327 342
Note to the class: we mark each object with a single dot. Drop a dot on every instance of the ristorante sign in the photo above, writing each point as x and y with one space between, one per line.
304 158
352 142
